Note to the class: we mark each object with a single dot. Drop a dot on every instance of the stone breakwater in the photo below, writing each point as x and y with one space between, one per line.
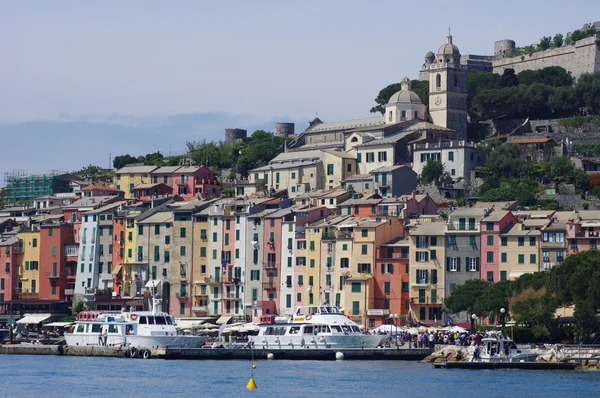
452 354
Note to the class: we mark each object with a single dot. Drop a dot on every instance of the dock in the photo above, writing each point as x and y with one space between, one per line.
507 365
387 354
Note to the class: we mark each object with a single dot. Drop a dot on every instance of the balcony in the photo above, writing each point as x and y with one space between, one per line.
421 282
269 285
344 235
213 281
394 256
69 292
200 309
72 251
201 296
52 275
181 294
328 236
270 265
18 249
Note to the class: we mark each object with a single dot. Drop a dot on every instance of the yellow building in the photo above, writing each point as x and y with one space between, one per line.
427 271
28 264
312 270
132 257
126 178
519 251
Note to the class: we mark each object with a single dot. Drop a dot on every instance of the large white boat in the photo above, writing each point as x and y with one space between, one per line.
135 329
320 327
497 349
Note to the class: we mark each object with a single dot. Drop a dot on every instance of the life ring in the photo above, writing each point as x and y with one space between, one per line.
308 317
146 354
133 317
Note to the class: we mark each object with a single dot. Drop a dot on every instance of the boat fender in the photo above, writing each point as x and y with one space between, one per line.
133 352
146 354
133 317
308 317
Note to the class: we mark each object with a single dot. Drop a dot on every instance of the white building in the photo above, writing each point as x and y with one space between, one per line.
458 157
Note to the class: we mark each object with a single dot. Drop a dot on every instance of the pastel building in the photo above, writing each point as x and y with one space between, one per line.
126 178
28 260
9 249
520 250
195 181
492 226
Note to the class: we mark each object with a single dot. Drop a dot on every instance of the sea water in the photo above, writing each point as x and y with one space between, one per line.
56 376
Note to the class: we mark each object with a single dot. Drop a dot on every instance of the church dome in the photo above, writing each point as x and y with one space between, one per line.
429 55
405 95
449 51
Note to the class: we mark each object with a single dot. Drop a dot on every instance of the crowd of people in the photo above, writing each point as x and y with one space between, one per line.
431 338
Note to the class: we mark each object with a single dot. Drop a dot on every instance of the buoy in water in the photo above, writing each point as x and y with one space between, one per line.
270 356
253 366
251 384
339 356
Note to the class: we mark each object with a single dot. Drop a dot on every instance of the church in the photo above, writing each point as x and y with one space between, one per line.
407 134
408 131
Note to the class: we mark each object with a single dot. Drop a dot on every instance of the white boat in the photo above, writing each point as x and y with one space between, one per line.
319 327
494 349
136 329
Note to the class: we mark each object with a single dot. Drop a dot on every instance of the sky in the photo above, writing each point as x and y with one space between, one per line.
113 77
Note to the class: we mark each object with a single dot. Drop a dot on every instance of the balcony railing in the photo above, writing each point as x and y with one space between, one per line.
269 285
69 292
201 308
270 264
181 294
52 275
18 249
328 236
344 235
377 312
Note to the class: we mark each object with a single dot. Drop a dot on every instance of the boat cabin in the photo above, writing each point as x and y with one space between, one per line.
318 309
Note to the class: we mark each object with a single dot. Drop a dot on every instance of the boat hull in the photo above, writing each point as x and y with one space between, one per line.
137 341
318 342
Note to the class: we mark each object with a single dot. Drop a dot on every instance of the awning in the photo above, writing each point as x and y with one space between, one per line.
223 319
516 274
590 224
153 283
116 269
59 324
34 318
188 323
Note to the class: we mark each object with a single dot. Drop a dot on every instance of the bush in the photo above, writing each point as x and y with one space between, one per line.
573 121
585 205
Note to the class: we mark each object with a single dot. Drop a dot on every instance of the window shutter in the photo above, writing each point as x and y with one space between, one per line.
447 264
468 264
434 276
477 264
426 256
426 276
458 264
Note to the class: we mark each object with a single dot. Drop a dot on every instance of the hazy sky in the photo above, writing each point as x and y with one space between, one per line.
267 60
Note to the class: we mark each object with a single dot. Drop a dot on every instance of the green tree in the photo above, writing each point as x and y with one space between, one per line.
123 160
464 296
545 43
492 300
432 171
509 78
588 89
557 40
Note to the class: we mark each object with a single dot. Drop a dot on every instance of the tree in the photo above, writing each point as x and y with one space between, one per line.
123 160
94 173
492 300
432 171
464 296
557 40
545 43
509 78
588 89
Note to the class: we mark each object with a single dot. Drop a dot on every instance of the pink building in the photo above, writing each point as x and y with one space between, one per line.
200 181
494 224
149 191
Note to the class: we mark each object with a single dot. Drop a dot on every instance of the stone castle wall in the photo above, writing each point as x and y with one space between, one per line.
582 57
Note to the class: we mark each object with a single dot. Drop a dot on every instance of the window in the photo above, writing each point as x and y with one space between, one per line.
453 264
382 156
344 262
451 156
364 268
472 224
182 250
490 257
521 241
364 249
301 245
422 256
503 257
532 241
489 226
182 232
502 275
452 240
421 242
386 287
433 241
473 264
312 263
404 287
370 157
473 240
329 169
462 223
356 308
53 250
504 241
34 242
364 232
521 259
532 259
422 276
293 175
345 246
237 234
157 230
387 268
301 261
254 275
490 240
300 280
490 276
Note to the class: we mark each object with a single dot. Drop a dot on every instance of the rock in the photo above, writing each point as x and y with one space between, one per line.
439 360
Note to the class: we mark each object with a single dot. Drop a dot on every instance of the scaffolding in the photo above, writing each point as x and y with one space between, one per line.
23 187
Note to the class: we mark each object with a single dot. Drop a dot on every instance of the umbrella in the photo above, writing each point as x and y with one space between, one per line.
413 331
457 329
250 327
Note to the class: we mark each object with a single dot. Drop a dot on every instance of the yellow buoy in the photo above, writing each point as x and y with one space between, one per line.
251 384
253 366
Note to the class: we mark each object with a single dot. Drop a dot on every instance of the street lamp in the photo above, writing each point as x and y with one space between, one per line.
394 319
473 317
502 319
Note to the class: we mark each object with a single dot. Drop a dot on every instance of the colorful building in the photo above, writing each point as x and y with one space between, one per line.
126 178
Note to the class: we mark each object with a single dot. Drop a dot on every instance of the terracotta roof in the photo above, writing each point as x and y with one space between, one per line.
103 187
531 140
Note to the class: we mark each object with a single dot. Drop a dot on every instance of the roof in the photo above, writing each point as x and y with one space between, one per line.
287 165
346 124
352 202
387 169
166 170
149 186
161 217
536 222
102 187
405 96
517 231
357 177
495 205
136 169
189 169
341 154
387 140
469 211
90 201
496 215
107 207
531 141
429 228
426 126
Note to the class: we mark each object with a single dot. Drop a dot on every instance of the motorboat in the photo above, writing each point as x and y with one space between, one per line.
498 349
319 327
135 329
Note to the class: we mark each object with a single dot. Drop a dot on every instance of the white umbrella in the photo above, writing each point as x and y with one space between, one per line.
413 331
457 329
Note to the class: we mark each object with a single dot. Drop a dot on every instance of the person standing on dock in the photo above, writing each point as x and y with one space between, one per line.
104 337
100 338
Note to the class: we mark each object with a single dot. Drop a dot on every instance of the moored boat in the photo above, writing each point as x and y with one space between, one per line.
497 349
318 327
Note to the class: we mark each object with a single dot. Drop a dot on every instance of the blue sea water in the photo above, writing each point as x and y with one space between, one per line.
54 376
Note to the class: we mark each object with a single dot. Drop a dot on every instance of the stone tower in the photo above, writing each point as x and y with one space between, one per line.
448 89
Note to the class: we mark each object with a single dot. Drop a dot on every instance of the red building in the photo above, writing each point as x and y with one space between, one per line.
8 272
118 253
200 181
149 191
389 302
57 273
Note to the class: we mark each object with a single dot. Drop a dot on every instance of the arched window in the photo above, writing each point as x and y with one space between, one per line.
354 139
438 81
